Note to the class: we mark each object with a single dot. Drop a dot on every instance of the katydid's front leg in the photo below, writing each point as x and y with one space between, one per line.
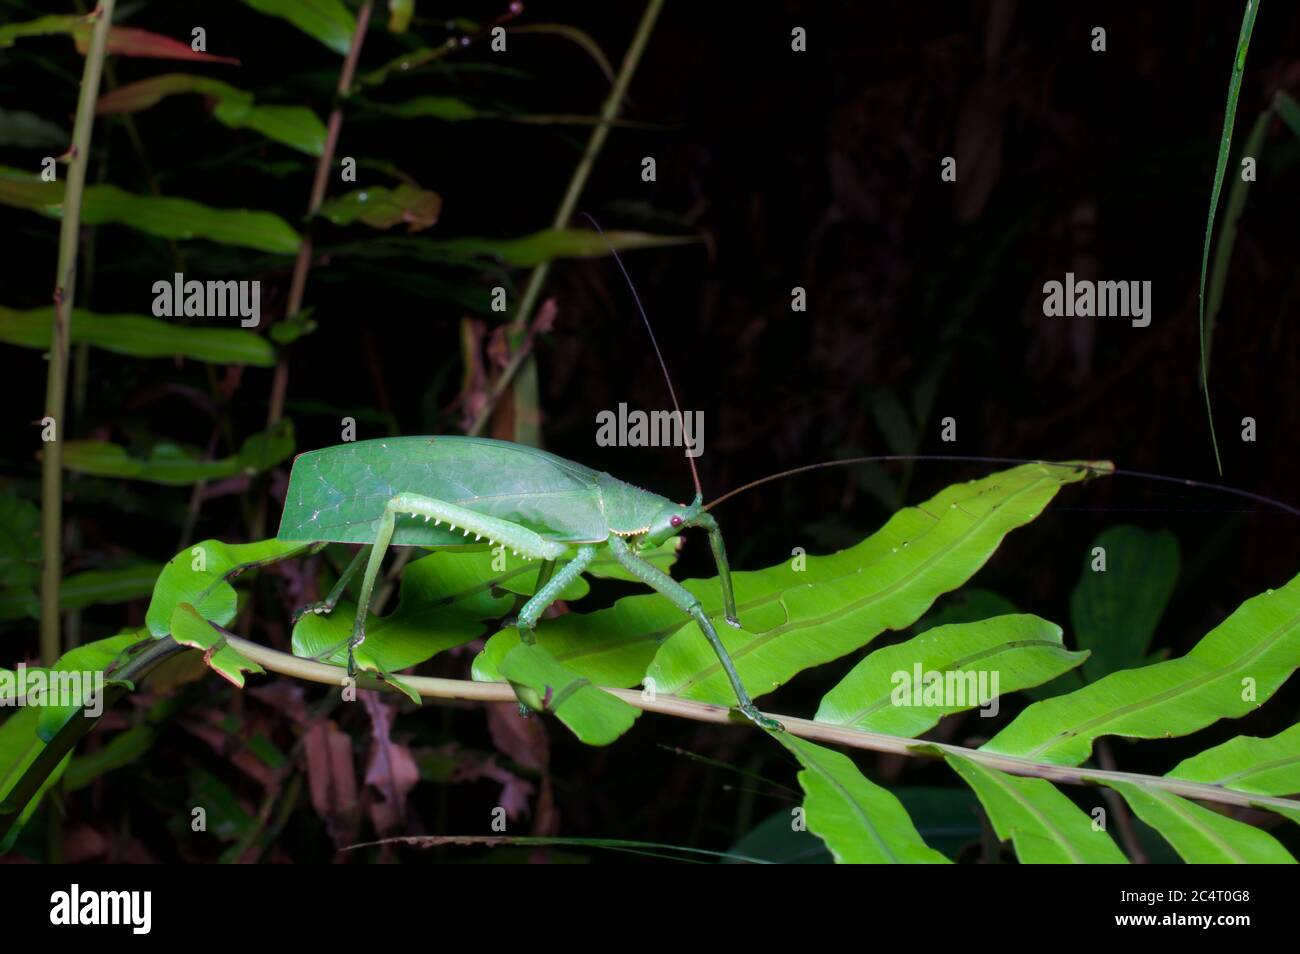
519 539
660 581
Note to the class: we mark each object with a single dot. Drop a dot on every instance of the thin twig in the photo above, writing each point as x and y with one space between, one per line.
302 265
65 286
434 688
613 103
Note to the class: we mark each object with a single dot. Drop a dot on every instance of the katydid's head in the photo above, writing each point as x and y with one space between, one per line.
672 519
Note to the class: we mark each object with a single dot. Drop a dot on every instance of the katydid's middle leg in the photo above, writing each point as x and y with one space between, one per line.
327 605
653 577
550 591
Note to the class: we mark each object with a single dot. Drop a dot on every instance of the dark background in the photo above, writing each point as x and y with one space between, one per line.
817 169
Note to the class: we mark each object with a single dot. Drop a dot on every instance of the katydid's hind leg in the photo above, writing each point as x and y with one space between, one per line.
550 590
519 539
376 558
660 581
327 605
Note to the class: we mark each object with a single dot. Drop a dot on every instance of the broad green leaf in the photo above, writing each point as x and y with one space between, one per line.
1201 836
569 637
860 822
593 715
175 466
183 219
25 130
1248 764
548 245
156 215
140 337
23 734
190 629
73 680
1233 670
906 689
197 576
797 619
20 746
328 21
382 208
295 126
1044 825
1115 610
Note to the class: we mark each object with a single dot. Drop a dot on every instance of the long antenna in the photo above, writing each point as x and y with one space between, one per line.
1096 467
681 420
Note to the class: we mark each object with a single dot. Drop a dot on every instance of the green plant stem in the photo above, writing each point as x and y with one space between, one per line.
65 287
302 264
434 688
1220 167
609 113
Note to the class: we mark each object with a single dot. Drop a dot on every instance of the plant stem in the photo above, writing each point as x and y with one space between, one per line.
65 286
519 325
302 265
429 687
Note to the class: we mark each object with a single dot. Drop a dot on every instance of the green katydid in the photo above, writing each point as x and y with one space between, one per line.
435 491
418 491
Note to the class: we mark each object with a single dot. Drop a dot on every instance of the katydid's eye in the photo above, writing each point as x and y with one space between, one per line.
675 520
